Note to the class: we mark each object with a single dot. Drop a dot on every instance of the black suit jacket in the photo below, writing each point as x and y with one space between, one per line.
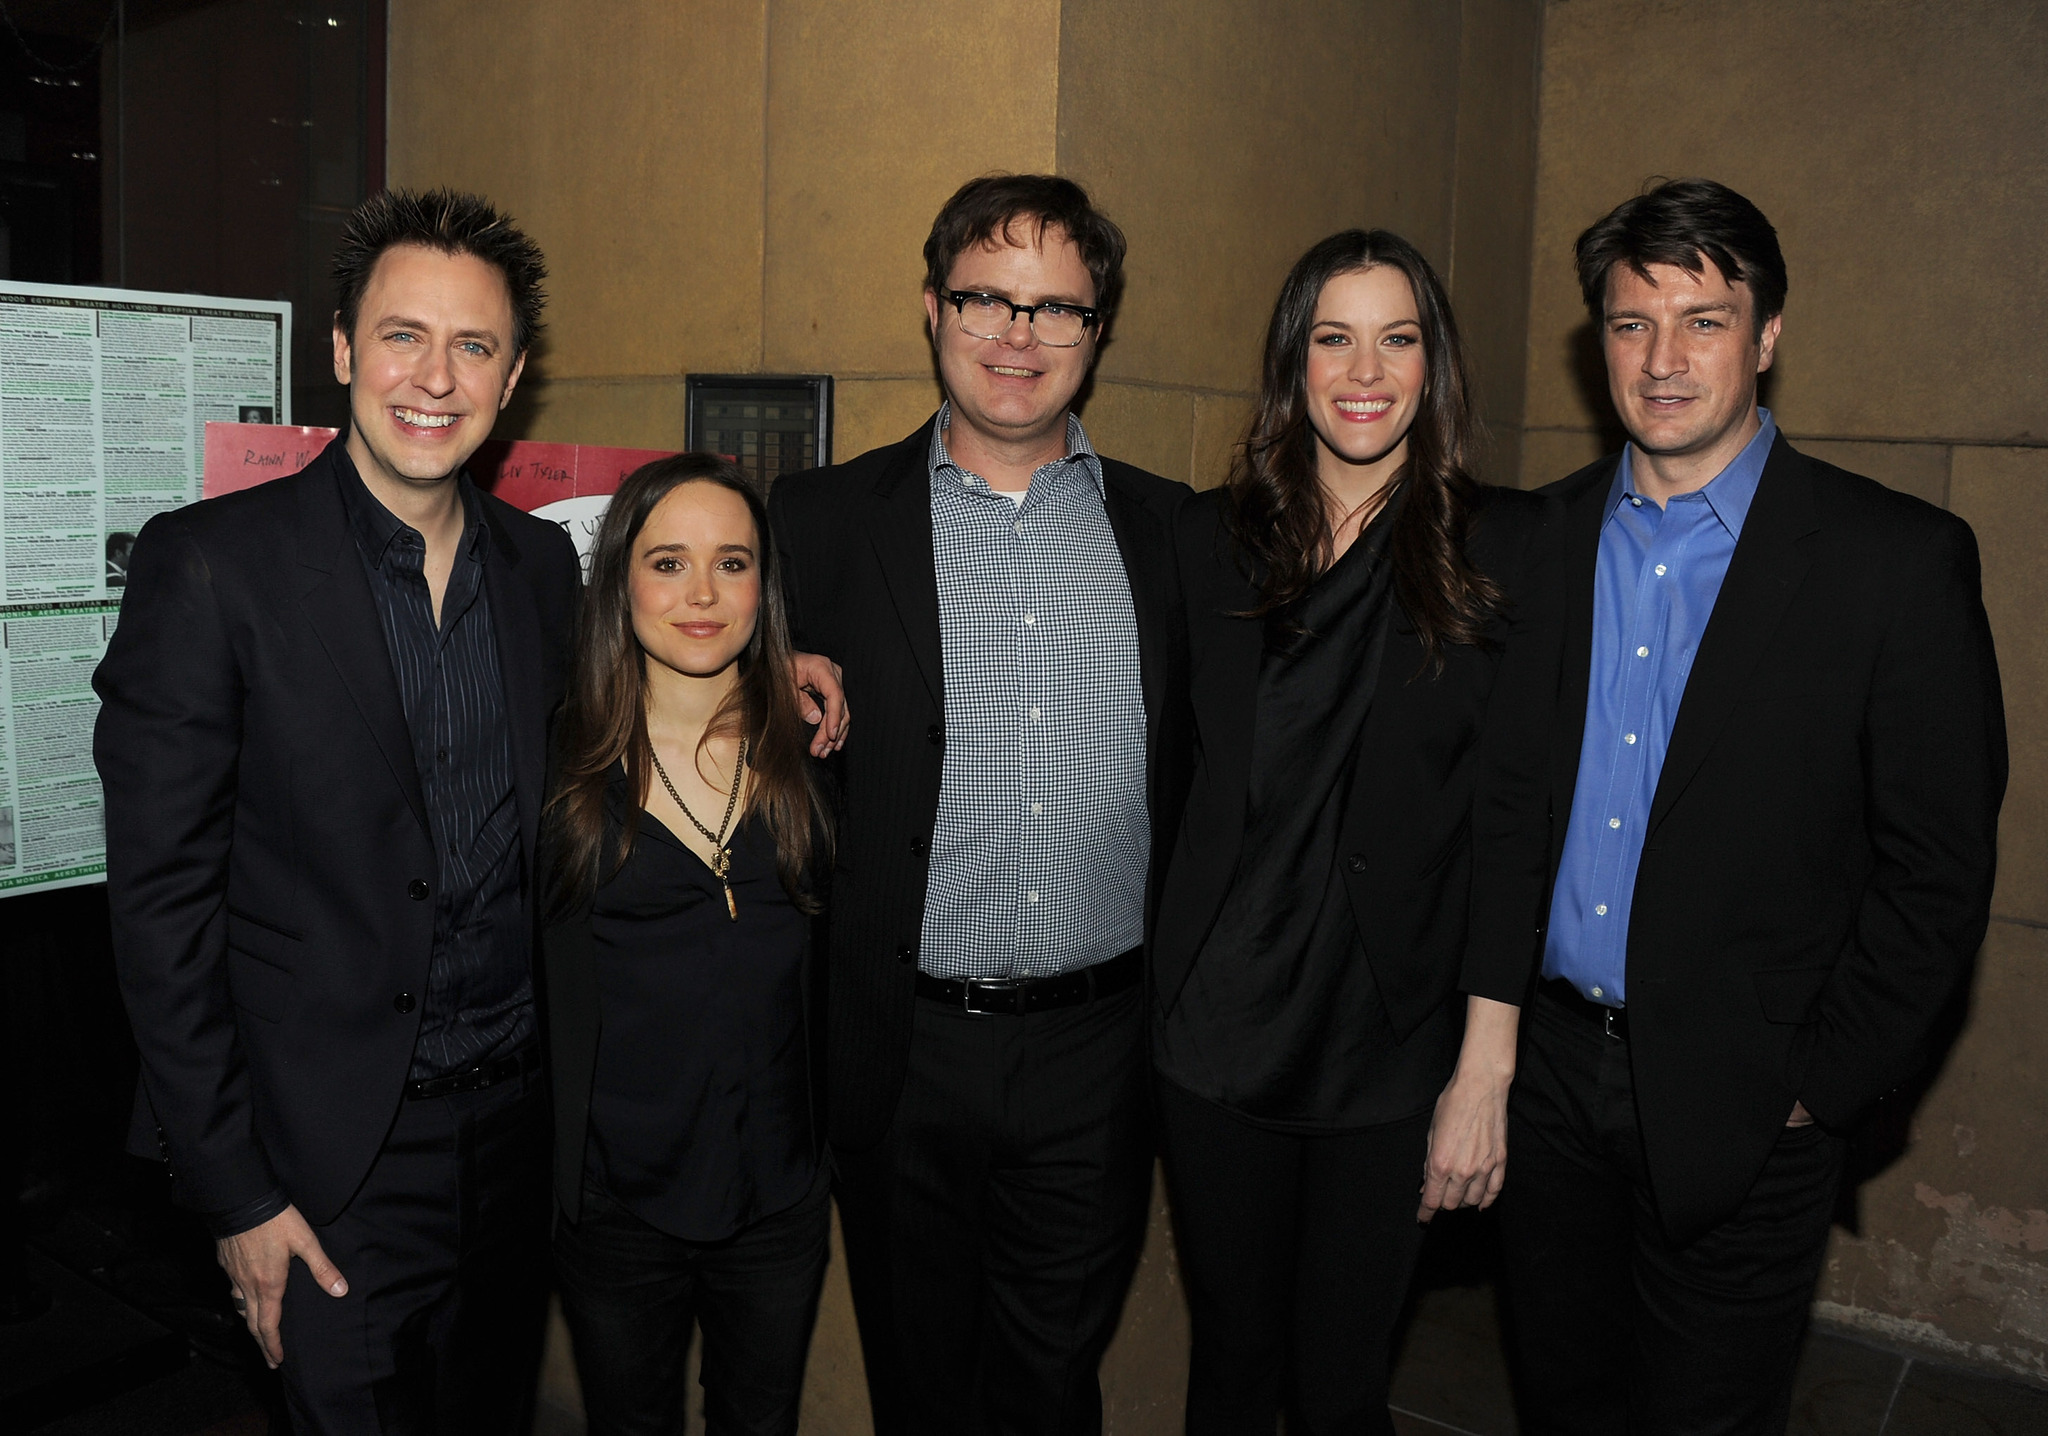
1816 873
856 541
267 842
1451 773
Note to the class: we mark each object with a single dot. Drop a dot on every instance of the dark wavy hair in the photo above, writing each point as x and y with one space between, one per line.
1678 222
604 719
453 223
997 204
1278 518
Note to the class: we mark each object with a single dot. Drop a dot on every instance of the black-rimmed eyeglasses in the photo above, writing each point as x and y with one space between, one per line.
989 316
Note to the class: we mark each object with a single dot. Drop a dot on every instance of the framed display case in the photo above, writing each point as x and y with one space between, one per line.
770 424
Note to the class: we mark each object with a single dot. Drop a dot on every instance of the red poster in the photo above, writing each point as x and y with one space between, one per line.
569 483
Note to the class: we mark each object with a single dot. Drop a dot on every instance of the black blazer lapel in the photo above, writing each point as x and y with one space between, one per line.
515 622
334 595
900 527
1144 544
1765 572
1585 513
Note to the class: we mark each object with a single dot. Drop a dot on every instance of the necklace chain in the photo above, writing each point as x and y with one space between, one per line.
721 851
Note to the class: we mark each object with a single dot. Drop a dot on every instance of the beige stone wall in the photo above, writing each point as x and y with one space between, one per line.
1895 146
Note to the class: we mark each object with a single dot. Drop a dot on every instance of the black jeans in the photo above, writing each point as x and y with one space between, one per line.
630 1292
1297 1253
991 1235
445 1251
1617 1329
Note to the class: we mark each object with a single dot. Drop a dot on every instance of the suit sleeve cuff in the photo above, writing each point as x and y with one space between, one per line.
247 1216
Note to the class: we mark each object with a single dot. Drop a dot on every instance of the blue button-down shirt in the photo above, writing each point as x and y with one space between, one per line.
1654 585
1039 851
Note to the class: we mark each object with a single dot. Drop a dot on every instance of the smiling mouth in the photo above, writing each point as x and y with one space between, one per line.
1009 372
421 420
1362 408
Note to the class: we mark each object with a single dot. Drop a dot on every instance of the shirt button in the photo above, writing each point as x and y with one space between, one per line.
1614 822
1597 992
442 754
1634 501
1034 894
1642 653
1034 713
417 890
1628 737
403 1003
1600 911
1030 620
1660 570
1017 527
1037 810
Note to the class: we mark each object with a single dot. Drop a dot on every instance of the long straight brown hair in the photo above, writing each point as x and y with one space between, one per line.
1277 514
604 719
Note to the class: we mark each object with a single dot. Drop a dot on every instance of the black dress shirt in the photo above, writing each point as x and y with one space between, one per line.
479 998
700 1115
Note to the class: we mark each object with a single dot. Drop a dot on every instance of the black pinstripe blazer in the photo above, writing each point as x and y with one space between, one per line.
268 856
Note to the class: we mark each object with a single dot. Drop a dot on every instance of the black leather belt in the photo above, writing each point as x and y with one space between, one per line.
475 1079
1015 996
1611 1020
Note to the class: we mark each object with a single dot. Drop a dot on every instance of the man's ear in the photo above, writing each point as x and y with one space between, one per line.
512 380
931 314
343 356
1767 342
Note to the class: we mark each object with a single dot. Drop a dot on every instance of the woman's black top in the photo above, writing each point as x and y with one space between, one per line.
700 1115
1280 1019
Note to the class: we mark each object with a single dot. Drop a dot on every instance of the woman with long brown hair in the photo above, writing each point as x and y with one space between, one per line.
683 843
1359 644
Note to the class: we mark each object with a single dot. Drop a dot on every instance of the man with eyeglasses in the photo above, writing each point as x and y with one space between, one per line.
1005 604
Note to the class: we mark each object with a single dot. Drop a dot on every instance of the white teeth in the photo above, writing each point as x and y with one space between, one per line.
1019 373
425 421
1363 406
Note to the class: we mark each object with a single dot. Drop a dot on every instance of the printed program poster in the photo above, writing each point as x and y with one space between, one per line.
105 395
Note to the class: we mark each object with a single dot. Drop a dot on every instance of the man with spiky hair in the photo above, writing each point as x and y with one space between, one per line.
322 748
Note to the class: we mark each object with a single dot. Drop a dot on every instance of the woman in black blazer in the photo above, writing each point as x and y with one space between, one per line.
1360 644
679 845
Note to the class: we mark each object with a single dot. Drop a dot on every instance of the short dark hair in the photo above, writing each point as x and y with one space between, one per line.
1675 223
453 223
993 205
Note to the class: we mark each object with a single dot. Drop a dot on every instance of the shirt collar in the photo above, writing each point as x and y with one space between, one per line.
1078 450
376 528
1729 493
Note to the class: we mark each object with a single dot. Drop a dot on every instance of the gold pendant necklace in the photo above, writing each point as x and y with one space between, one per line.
721 851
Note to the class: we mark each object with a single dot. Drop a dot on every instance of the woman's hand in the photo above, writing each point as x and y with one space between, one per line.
1468 1139
821 698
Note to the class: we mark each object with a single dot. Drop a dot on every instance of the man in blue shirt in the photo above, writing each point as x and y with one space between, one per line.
1777 760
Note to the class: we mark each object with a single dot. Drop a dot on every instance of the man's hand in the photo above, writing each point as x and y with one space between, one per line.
258 1261
821 698
1800 1116
1468 1138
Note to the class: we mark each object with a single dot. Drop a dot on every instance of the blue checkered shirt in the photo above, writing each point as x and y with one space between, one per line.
1039 855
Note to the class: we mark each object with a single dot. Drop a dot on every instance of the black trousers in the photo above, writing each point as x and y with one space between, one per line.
1618 1329
990 1236
630 1292
445 1251
1297 1252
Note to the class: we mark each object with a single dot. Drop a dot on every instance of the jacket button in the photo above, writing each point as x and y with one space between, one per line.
417 889
1356 862
404 1002
920 846
905 953
935 735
